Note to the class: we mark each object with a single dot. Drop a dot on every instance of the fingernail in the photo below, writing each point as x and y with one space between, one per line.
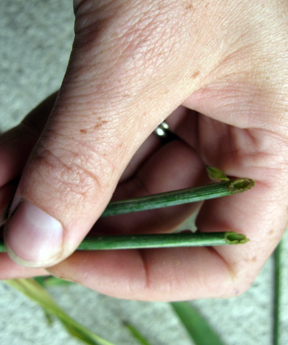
32 237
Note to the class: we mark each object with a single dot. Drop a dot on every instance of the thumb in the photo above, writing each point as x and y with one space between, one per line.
100 119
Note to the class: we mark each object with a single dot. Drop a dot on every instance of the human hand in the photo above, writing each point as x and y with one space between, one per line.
132 65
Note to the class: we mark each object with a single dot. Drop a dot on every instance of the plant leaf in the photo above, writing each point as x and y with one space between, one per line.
37 293
136 334
48 316
216 175
197 327
53 281
40 280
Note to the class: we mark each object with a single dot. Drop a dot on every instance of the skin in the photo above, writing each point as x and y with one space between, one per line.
219 76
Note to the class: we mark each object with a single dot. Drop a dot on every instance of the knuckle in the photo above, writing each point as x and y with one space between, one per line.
70 175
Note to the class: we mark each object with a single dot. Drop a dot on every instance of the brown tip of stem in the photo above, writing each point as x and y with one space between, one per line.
241 185
234 238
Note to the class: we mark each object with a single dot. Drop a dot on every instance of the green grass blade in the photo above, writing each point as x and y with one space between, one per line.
197 327
37 293
277 294
40 280
54 281
48 316
136 334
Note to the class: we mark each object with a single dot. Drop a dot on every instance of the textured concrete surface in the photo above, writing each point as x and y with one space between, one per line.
36 38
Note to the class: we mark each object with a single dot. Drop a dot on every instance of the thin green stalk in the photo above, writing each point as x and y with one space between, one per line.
277 294
178 197
158 241
162 241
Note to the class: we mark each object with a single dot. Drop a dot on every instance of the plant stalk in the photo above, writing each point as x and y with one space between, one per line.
179 197
158 241
277 294
173 198
162 241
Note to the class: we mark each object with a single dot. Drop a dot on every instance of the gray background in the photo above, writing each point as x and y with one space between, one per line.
35 38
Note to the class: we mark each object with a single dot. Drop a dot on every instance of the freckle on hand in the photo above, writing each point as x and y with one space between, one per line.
195 75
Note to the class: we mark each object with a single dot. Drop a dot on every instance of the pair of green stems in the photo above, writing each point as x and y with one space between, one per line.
179 197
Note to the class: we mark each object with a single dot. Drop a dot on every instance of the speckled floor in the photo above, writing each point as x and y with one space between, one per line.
35 39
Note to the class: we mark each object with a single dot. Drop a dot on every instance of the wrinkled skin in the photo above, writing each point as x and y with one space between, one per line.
218 71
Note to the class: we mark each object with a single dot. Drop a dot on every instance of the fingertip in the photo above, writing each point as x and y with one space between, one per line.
33 238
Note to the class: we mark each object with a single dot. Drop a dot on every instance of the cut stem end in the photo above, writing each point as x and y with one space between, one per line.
241 185
235 238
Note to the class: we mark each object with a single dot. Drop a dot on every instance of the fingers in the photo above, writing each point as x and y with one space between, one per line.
151 275
153 143
243 136
173 166
146 150
127 72
178 274
99 121
10 270
254 214
260 214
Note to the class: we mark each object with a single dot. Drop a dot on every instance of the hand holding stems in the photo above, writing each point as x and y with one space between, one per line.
134 64
156 201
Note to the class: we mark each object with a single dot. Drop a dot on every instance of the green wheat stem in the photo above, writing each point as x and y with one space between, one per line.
277 293
179 197
162 241
158 241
